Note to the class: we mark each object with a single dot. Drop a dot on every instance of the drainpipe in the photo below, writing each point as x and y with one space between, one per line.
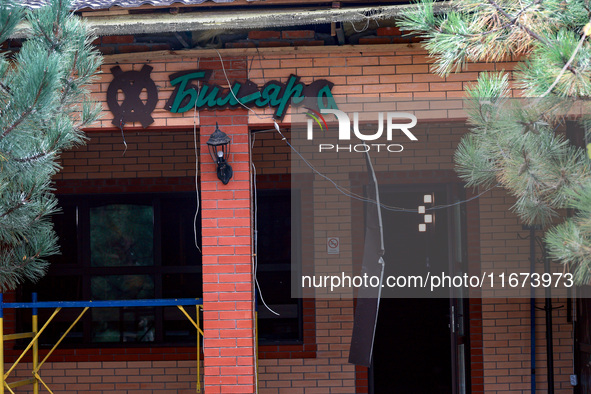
549 341
532 307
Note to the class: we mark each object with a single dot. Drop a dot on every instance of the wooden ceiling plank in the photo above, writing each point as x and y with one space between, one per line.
160 56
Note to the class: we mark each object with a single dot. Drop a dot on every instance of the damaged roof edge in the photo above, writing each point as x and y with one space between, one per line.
159 23
106 4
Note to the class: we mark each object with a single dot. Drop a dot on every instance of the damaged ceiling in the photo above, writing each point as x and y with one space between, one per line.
105 4
260 19
202 26
151 23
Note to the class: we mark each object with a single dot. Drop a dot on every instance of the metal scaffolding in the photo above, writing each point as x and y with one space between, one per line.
35 332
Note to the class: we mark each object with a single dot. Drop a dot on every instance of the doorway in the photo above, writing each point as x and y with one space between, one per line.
412 350
415 351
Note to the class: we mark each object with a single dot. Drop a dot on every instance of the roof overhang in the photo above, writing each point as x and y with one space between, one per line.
195 21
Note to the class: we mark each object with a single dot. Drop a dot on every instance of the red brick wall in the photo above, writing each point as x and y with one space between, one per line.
406 73
131 377
228 284
150 154
506 322
499 328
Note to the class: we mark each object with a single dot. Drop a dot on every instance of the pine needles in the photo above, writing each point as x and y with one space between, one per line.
514 142
44 104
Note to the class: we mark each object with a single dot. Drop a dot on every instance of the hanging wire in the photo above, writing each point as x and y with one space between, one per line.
265 117
255 327
369 17
255 224
358 197
341 189
337 186
121 124
196 150
253 197
364 28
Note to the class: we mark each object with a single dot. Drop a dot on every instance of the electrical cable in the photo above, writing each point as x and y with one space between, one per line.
253 197
355 196
368 19
196 150
234 94
255 230
255 326
121 124
255 223
341 189
338 187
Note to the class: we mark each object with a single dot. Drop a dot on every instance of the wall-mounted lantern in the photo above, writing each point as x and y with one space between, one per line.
219 149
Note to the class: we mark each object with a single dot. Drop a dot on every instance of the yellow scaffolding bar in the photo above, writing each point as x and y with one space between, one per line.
35 332
1 347
21 335
199 332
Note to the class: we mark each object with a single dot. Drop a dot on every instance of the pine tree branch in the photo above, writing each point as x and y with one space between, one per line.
24 114
4 29
517 23
63 63
20 204
15 268
567 66
506 25
5 88
68 85
14 208
32 108
32 158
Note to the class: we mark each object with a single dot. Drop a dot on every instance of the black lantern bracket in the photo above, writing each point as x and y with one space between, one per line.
219 149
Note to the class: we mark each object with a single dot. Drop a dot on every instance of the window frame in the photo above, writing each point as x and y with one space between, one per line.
83 268
76 189
294 264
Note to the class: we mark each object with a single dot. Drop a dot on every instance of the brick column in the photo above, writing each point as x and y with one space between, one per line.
228 298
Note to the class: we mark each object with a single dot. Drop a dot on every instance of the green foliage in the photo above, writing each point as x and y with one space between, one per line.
514 143
44 104
569 242
490 30
544 65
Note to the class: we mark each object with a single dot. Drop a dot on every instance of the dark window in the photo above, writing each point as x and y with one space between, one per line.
275 242
142 246
125 246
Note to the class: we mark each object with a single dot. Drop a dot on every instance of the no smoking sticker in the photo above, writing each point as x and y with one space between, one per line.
332 245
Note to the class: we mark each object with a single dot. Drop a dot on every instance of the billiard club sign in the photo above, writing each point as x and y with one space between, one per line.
193 92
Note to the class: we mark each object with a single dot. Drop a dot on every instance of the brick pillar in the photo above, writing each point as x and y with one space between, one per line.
228 298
